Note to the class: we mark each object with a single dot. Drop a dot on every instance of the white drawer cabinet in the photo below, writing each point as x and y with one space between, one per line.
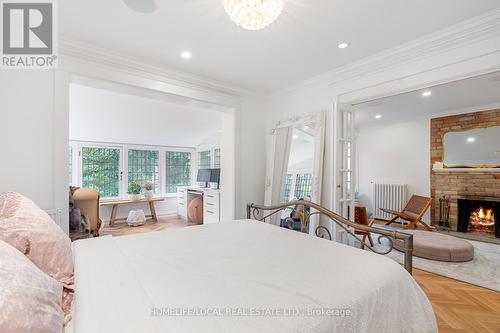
211 202
211 207
182 202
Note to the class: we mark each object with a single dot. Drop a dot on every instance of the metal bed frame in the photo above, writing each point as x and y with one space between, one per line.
254 211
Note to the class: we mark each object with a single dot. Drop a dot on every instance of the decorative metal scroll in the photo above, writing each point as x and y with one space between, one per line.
263 213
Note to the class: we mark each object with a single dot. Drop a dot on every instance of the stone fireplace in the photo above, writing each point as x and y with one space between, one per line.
479 215
467 189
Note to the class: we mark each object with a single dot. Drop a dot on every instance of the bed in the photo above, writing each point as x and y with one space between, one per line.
241 276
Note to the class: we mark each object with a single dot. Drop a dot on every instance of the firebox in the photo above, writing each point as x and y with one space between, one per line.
479 216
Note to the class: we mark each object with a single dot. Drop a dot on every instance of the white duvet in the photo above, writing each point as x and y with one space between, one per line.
241 276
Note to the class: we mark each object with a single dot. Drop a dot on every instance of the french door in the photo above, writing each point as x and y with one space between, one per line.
345 191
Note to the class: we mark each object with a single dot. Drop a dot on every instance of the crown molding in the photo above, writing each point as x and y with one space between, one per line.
83 52
463 34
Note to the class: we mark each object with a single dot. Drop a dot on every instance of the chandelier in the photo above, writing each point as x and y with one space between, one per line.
253 14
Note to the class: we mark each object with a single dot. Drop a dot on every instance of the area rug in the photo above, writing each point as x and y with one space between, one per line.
483 270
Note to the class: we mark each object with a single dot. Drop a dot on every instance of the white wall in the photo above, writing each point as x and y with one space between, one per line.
250 146
108 116
398 153
27 148
27 137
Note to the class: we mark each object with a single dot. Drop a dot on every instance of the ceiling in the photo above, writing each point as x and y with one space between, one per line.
302 43
466 95
102 115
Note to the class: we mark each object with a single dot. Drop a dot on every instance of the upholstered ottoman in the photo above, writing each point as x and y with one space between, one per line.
437 246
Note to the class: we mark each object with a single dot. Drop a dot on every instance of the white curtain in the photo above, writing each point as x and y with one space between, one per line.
276 172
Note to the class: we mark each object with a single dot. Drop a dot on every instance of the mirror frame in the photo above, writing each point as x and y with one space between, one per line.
466 166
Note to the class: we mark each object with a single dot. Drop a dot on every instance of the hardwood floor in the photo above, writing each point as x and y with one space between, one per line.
164 222
459 307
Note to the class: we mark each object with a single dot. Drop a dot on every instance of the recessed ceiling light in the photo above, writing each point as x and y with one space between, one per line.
471 139
343 45
186 55
378 116
426 93
142 6
295 136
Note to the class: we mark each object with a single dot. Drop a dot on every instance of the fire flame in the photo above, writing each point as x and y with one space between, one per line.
487 216
482 220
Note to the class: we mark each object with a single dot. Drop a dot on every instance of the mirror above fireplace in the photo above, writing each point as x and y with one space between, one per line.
476 148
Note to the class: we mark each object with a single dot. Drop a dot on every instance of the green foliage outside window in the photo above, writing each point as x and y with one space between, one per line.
101 170
143 166
178 170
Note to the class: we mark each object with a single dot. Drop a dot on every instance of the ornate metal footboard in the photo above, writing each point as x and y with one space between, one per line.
261 213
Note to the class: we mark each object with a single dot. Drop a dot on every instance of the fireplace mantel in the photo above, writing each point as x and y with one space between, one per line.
478 198
452 183
466 169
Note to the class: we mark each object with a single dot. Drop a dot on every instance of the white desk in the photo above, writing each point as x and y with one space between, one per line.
211 202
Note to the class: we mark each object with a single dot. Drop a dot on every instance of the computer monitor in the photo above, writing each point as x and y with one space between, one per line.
204 176
214 175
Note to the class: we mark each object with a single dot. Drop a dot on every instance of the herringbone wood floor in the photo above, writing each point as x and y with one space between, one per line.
164 222
459 307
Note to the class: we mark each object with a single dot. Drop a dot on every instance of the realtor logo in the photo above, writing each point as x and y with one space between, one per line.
28 34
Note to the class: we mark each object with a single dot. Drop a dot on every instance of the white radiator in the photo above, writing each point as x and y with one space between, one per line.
390 196
56 215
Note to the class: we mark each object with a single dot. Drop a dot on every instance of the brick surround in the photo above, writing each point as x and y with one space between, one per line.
455 184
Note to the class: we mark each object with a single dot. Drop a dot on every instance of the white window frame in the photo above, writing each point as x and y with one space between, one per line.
79 168
163 167
211 148
124 148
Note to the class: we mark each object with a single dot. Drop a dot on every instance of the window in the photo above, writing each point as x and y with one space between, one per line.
70 165
178 170
204 159
101 170
303 185
217 158
288 187
101 166
143 166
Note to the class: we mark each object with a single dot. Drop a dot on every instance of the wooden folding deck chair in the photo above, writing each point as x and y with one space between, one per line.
361 217
413 212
